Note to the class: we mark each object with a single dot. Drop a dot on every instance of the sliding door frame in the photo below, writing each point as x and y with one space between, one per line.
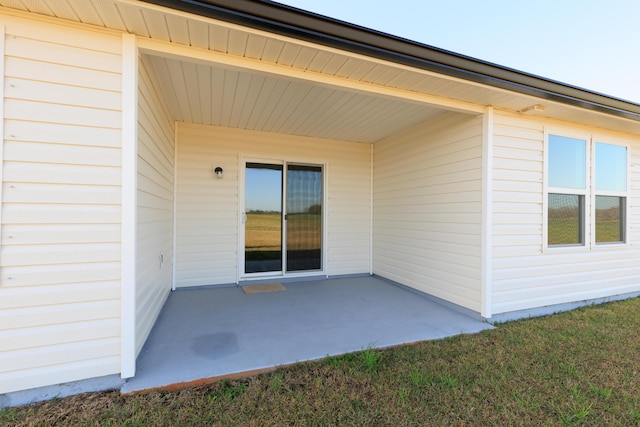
284 161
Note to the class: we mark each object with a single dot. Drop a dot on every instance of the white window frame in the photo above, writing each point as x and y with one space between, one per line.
589 193
563 190
595 192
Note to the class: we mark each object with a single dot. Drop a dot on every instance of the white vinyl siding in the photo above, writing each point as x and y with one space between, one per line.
427 208
207 207
60 258
155 202
525 274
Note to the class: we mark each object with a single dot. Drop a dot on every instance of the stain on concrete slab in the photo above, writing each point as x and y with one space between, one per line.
215 346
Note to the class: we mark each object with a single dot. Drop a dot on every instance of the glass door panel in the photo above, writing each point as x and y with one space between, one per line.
304 218
263 223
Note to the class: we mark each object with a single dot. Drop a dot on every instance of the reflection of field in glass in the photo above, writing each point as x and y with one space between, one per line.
263 232
565 231
608 231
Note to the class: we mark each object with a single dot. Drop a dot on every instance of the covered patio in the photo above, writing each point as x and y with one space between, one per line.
211 332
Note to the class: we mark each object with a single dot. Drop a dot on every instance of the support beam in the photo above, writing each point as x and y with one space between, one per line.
487 215
129 204
2 75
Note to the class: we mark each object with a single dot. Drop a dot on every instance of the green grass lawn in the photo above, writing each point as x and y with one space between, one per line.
575 368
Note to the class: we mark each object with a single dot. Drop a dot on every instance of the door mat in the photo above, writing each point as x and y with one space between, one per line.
267 287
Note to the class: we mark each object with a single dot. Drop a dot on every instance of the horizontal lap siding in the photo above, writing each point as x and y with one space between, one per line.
155 202
525 275
60 258
207 207
427 208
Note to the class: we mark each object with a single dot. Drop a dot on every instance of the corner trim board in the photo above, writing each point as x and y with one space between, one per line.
129 204
2 75
175 205
487 214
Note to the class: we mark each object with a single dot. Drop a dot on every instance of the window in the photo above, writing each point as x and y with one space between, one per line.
567 171
587 192
610 192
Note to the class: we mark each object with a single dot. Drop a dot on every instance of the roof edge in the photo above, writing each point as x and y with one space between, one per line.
297 23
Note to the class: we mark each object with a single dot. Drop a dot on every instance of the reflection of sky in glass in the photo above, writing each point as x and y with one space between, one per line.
263 190
611 167
567 162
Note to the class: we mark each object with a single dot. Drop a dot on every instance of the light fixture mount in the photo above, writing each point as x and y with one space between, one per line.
532 109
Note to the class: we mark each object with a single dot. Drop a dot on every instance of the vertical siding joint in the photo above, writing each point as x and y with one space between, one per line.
487 213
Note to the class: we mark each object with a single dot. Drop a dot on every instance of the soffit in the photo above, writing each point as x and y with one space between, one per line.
211 95
159 23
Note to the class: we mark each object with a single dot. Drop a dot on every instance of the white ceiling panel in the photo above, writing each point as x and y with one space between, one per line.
85 13
198 34
108 12
223 97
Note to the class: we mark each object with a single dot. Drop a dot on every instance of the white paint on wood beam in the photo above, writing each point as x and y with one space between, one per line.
487 213
325 219
129 203
175 203
241 215
371 213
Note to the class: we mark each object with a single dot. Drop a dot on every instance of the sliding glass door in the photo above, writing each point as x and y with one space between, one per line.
283 218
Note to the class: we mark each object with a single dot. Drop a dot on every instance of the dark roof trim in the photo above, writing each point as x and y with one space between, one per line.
296 23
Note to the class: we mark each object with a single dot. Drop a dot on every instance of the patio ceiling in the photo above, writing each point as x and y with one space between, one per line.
210 95
359 98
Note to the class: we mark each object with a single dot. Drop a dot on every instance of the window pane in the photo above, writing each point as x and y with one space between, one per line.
304 218
566 224
567 162
611 167
263 226
609 219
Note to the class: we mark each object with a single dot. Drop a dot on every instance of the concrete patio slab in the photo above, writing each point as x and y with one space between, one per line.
204 333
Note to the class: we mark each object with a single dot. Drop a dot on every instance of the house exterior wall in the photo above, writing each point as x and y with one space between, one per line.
207 207
155 202
525 273
427 208
60 255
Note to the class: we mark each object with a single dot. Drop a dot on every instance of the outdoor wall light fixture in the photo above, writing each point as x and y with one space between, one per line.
532 109
218 171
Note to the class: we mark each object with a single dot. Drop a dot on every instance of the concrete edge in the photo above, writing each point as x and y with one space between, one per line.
557 308
203 381
26 397
260 371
